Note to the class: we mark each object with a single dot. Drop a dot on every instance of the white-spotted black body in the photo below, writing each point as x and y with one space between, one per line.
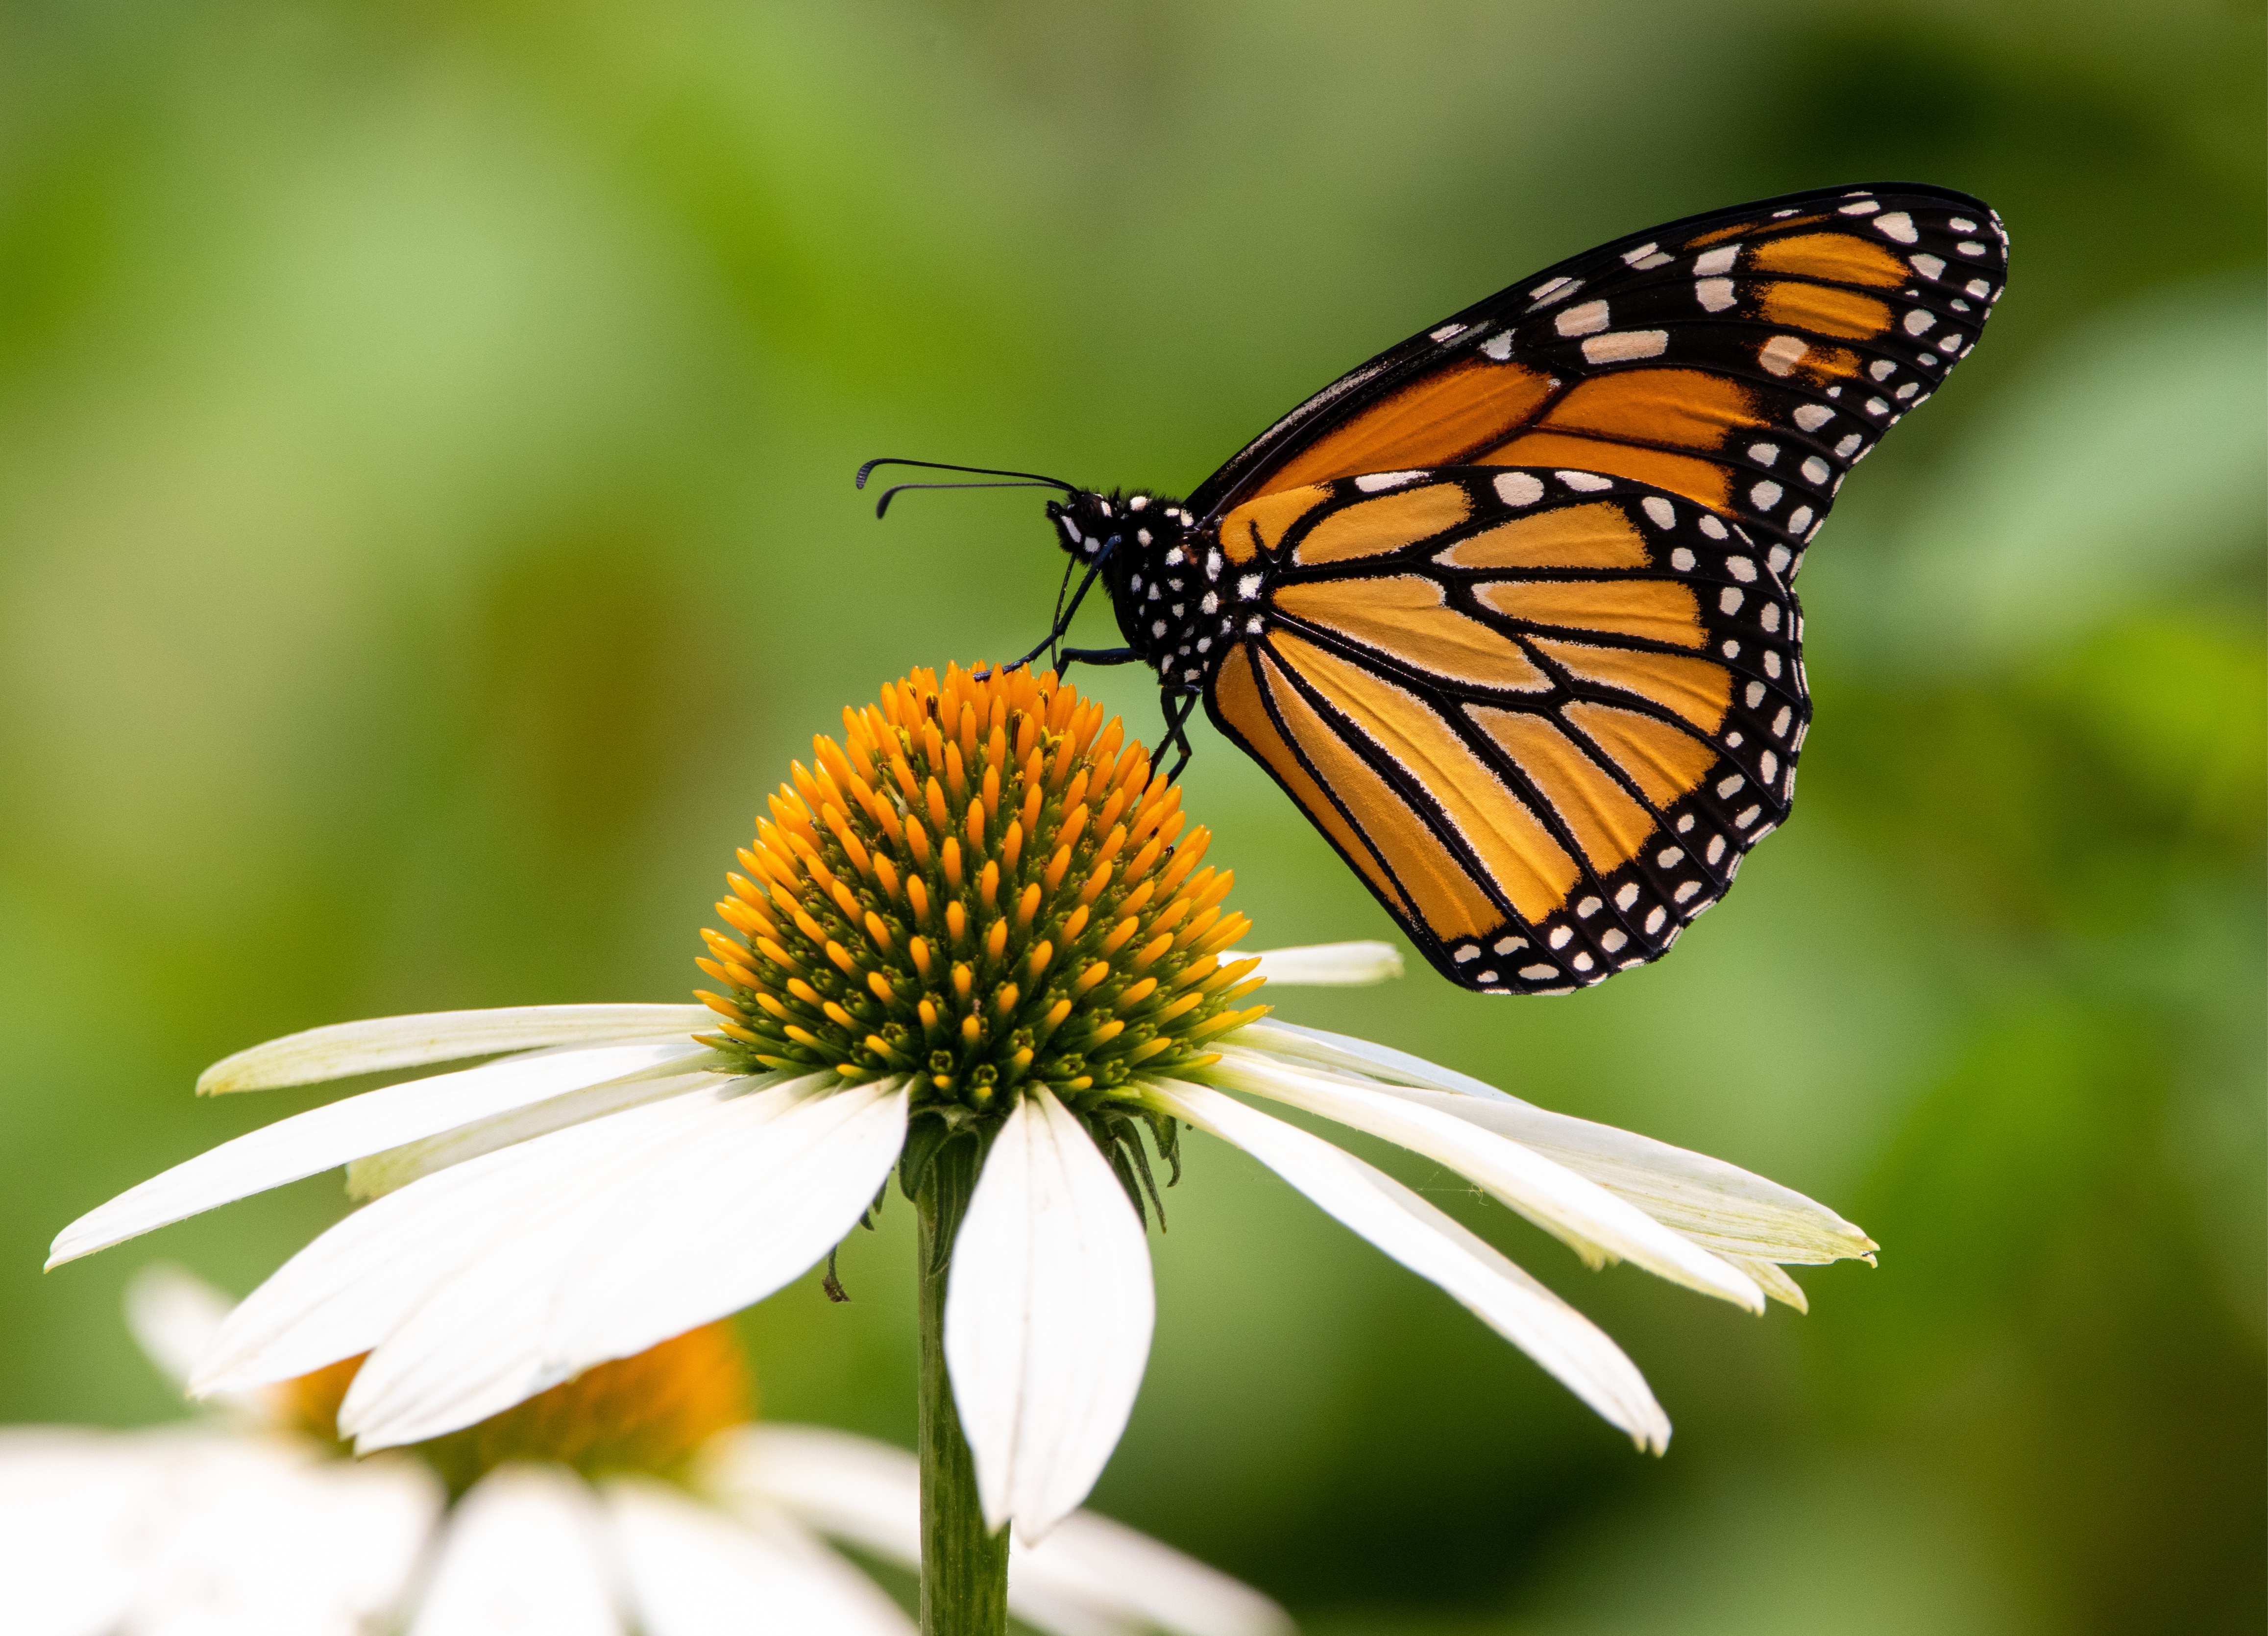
1165 577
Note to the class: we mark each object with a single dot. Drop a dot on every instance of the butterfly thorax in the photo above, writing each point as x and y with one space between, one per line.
1162 572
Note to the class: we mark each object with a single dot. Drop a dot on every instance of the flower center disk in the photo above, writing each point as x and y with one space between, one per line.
983 885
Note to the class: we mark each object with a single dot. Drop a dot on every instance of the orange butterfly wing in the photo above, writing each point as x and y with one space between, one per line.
1744 360
1542 714
1512 604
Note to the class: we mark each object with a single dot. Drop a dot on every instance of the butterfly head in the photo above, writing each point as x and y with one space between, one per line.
1159 569
1116 528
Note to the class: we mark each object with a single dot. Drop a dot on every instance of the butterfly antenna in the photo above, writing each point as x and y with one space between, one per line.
1025 479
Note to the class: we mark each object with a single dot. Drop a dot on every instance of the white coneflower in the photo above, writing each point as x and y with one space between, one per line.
973 943
639 1495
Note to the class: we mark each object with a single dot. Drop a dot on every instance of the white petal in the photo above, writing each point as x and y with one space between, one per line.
1547 1194
1772 1281
382 1042
1716 1204
1434 1247
1094 1567
379 1174
1326 965
1719 1205
1089 1576
693 1570
525 1552
717 1225
355 1283
473 1345
263 1538
75 1514
1047 1316
324 1138
1364 1056
173 1314
851 1487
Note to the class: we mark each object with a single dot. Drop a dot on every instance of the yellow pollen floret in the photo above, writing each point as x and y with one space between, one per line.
987 847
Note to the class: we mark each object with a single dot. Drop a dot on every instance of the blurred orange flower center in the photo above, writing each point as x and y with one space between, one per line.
648 1414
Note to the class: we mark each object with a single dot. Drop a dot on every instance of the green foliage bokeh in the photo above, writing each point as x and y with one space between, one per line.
426 530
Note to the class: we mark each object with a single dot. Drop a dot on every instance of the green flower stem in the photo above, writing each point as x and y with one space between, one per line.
964 1576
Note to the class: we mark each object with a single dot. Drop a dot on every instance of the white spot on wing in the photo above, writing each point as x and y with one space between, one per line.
1931 266
1371 482
1519 488
1765 495
1499 346
1781 354
1630 343
1714 294
1585 482
1664 514
1587 319
1812 417
1815 469
1711 263
1898 225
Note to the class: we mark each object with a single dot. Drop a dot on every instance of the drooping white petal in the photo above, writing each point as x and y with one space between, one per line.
1774 1282
1325 965
1719 1205
473 1344
379 1174
1090 1577
525 1552
1047 1316
693 1570
356 1283
716 1225
1548 1194
173 1315
1438 1249
322 1138
1360 1056
344 1049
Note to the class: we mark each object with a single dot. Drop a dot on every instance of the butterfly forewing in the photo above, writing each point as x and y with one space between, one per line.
1742 361
1543 713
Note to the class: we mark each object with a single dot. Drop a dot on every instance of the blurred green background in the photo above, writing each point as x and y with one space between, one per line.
426 530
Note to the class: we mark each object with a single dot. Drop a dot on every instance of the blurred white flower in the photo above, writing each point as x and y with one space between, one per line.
614 1503
1055 995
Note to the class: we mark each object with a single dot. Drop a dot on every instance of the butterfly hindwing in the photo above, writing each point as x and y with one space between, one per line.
1743 361
1543 713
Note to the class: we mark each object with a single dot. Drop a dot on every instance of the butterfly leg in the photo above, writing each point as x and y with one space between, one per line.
1176 708
1098 656
1064 615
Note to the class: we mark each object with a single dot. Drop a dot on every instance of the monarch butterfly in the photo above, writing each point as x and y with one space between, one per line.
1507 610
